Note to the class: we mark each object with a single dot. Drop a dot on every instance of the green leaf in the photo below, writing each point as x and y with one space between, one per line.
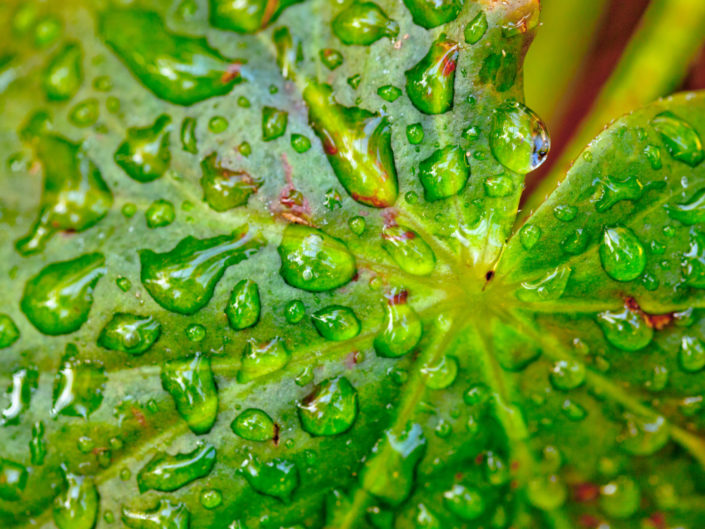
302 311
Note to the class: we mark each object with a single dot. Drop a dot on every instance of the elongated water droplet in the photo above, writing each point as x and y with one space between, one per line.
58 299
24 384
314 261
390 472
13 480
180 69
430 84
441 373
466 503
130 333
246 16
167 473
254 425
37 446
182 280
691 355
409 250
78 386
77 506
431 13
166 515
289 52
644 436
519 139
278 478
550 287
159 214
694 262
189 143
444 173
74 195
336 322
614 190
330 409
358 146
692 212
625 329
64 73
262 358
9 333
145 154
476 28
620 498
622 255
401 330
363 23
192 386
223 188
680 138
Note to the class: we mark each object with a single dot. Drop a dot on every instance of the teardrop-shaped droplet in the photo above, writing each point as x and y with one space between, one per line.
476 28
430 84
246 16
363 23
567 374
358 144
74 195
691 355
77 506
622 254
166 473
130 333
336 323
613 190
314 261
64 73
466 503
278 478
644 436
223 188
166 515
694 261
145 154
180 69
389 474
401 329
13 480
262 358
243 308
274 123
691 212
254 425
444 173
192 386
330 409
9 333
58 299
159 214
680 138
78 386
625 329
24 384
620 498
519 139
440 373
409 250
183 280
550 287
431 13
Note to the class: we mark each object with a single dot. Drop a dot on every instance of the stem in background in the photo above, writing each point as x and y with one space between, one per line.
656 60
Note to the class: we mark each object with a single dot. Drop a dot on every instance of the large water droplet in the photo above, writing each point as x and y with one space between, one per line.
625 329
262 358
330 409
9 333
145 154
466 503
691 355
550 287
314 261
223 188
363 23
692 212
278 478
254 425
183 280
441 373
64 73
130 333
620 498
431 13
401 330
24 384
444 173
180 69
13 479
430 84
519 139
409 250
166 515
166 473
680 138
192 386
243 308
246 16
622 254
336 322
77 506
78 386
58 299
644 436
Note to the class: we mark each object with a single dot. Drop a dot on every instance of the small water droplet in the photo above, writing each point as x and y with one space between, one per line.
431 13
567 374
357 225
243 308
330 409
644 436
159 214
166 515
409 250
691 355
63 75
223 188
274 123
401 330
547 492
254 425
565 212
211 499
37 446
189 143
13 480
278 478
336 322
691 212
620 498
476 28
300 143
85 113
549 287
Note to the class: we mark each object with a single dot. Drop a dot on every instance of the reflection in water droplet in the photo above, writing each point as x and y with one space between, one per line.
254 425
246 16
519 139
274 123
430 84
691 212
644 436
145 154
547 492
407 248
680 138
567 374
622 254
167 473
625 329
330 409
192 386
401 330
613 190
691 355
159 214
466 503
363 23
278 478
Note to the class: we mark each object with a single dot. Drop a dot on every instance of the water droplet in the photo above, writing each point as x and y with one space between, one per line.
431 13
191 384
188 135
123 284
58 299
363 23
567 374
223 188
183 280
620 498
314 261
357 225
414 133
294 311
565 212
166 473
529 236
130 333
177 68
78 386
77 506
64 73
254 425
300 143
274 123
246 16
622 255
430 83
159 214
644 436
145 155
330 409
37 446
519 139
336 322
47 31
576 241
331 58
211 499
574 411
694 262
440 373
259 359
401 330
682 141
498 186
409 250
476 28
85 113
547 493
466 503
625 330
550 287
692 354
692 212
9 333
166 515
243 309
613 189
444 173
195 332
24 384
13 480
653 155
389 93
358 146
278 478
354 81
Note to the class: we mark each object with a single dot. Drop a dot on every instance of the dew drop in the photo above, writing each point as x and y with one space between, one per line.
300 143
167 473
166 515
622 254
644 436
294 311
262 358
363 23
130 333
529 236
211 499
277 478
415 133
330 409
331 58
682 141
550 287
336 323
9 333
626 330
620 498
444 173
432 13
441 373
13 480
243 308
63 75
85 113
547 493
401 330
613 190
160 214
144 155
690 213
691 355
410 252
77 506
189 143
518 138
567 374
466 503
223 188
37 446
246 16
274 123
254 425
430 83
78 386
476 28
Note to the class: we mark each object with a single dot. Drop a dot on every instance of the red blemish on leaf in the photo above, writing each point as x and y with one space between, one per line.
371 200
295 206
269 11
659 520
657 322
589 521
233 72
390 217
139 416
479 459
397 297
585 492
275 437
